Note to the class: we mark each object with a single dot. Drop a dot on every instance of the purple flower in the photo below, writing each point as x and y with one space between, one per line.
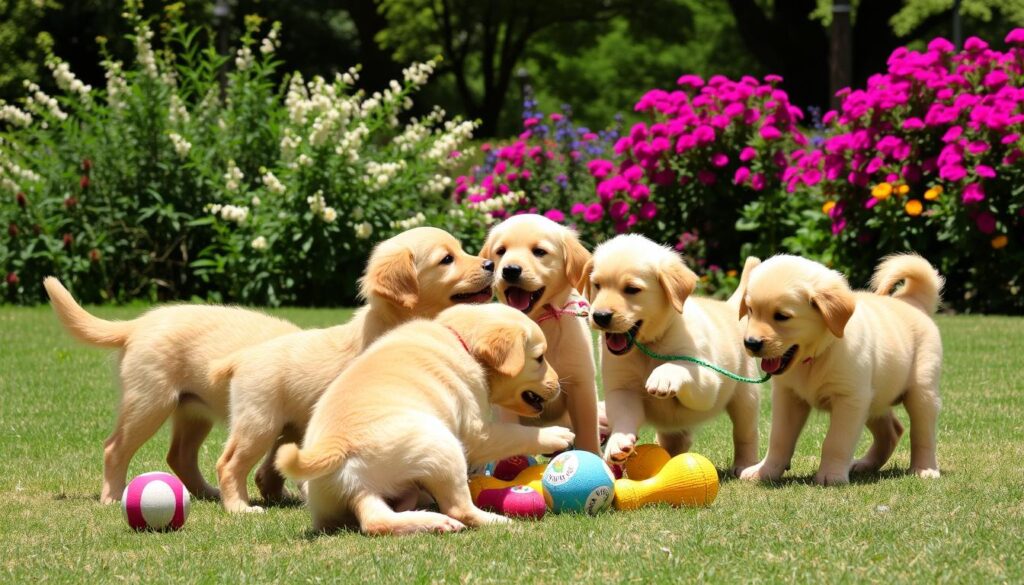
986 222
555 215
719 159
770 133
741 175
593 213
748 153
648 210
1015 37
973 193
985 171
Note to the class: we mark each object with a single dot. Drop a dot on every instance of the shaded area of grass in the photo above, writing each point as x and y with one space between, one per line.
57 404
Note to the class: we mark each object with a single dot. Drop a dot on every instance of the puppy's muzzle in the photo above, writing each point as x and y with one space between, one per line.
511 273
603 318
754 344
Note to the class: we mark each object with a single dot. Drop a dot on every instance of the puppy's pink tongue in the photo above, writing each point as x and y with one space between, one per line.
770 365
616 341
517 298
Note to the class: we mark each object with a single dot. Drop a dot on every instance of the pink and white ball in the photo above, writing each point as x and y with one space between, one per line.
155 501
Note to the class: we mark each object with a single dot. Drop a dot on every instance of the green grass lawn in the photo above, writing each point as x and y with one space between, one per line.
57 405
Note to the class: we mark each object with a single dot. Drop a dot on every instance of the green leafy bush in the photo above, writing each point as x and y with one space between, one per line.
194 173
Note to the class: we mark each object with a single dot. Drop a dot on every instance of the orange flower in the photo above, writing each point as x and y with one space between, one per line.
913 208
827 207
903 189
881 191
933 193
999 242
731 273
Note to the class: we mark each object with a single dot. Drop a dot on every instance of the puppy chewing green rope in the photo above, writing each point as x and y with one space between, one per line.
698 361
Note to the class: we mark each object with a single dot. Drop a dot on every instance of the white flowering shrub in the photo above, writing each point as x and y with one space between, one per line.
195 174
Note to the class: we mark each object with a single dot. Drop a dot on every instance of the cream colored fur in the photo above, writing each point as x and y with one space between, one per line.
558 271
413 411
275 385
858 354
163 362
636 280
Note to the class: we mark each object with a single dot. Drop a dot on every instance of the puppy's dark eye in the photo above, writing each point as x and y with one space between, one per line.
540 252
780 317
540 359
500 251
631 290
448 259
596 286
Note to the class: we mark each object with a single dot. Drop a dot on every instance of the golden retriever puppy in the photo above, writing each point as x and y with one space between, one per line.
274 385
163 360
538 266
854 354
414 410
643 289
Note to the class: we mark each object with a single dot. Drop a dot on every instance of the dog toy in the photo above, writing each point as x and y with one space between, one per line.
578 481
155 501
646 462
529 477
508 469
518 501
686 480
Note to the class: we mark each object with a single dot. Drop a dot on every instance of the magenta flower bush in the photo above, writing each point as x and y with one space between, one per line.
543 171
928 157
709 151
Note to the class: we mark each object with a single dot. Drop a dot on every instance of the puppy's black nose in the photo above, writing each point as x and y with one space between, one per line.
603 318
511 272
753 343
489 265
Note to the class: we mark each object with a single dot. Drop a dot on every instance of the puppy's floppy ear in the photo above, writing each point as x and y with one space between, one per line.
391 274
577 259
503 350
744 309
836 304
584 283
678 281
487 248
740 295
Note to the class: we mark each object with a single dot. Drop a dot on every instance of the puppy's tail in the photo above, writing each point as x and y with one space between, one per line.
304 465
222 370
80 324
922 283
748 267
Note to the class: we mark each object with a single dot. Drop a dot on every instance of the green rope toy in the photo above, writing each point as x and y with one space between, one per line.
698 361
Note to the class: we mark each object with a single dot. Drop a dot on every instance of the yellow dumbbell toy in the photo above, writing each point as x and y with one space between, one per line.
646 462
531 477
685 480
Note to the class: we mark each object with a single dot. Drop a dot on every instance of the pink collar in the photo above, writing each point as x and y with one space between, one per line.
576 308
461 340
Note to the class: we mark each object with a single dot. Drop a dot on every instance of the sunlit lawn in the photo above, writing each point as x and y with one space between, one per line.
57 404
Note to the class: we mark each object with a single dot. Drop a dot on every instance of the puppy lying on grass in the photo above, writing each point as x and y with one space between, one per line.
414 410
274 386
854 354
163 361
641 291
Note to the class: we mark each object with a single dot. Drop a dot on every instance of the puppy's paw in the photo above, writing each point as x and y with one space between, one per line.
762 472
620 446
553 439
666 381
738 467
243 508
832 477
925 473
865 465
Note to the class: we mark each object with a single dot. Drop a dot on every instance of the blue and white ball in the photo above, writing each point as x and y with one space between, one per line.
578 481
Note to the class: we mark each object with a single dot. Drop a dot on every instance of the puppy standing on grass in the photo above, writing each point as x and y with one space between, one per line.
539 266
163 361
275 385
413 410
855 354
643 289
